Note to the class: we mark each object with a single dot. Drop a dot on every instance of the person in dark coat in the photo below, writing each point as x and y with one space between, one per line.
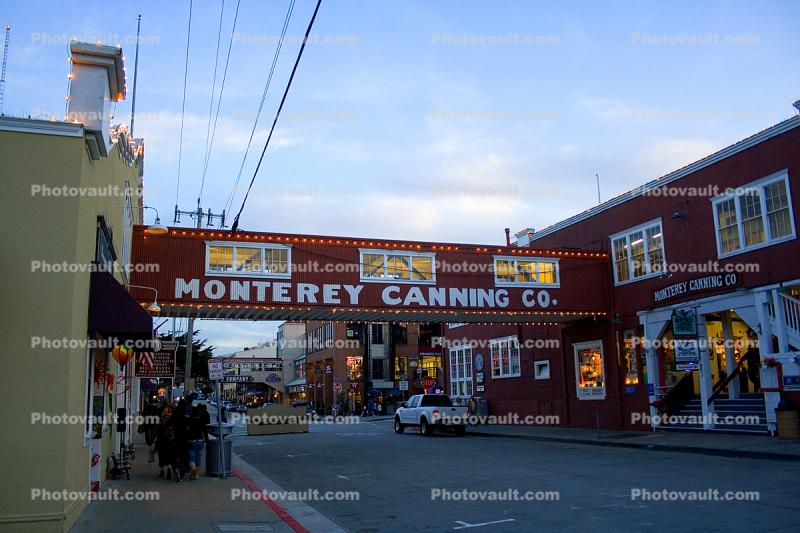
165 443
753 359
180 424
197 436
151 417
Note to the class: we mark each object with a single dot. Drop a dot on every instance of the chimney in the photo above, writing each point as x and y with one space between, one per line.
508 236
97 80
524 237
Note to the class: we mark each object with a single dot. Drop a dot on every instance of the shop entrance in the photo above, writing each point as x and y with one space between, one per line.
734 356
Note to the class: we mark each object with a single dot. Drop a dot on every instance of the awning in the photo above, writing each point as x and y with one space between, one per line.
114 312
296 382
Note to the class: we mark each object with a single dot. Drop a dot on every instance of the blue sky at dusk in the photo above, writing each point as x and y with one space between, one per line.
419 119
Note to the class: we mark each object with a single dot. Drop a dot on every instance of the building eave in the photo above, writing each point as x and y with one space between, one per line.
41 127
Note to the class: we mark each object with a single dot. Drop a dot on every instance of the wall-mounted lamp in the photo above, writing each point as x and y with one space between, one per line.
153 307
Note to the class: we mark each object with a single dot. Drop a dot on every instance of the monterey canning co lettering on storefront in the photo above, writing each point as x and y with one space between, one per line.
343 294
719 281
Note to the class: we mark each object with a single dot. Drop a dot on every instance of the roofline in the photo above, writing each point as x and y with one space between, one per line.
744 144
43 127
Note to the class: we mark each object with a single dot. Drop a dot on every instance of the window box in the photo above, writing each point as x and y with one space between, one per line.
754 216
248 259
638 253
397 267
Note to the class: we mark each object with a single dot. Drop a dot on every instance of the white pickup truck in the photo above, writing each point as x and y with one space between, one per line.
429 412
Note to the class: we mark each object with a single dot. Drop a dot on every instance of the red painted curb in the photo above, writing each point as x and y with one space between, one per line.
282 513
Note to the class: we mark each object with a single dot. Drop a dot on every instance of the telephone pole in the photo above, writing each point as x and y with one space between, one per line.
198 216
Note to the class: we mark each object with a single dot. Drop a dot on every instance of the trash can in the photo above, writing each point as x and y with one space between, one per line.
212 457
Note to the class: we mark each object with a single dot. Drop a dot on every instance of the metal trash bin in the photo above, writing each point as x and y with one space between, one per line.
212 457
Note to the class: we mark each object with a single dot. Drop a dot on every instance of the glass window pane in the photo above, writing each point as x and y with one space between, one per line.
590 368
372 265
276 261
248 259
547 272
780 222
752 222
495 360
220 258
637 254
397 267
621 258
655 248
504 270
526 271
421 268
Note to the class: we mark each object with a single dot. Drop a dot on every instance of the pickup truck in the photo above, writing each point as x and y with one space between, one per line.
429 412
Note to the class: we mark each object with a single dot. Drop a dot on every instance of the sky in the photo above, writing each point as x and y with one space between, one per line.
434 120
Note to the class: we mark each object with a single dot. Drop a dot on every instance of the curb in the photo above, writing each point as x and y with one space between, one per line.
740 454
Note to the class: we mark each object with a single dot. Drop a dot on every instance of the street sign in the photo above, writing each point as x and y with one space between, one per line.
337 387
404 385
428 382
215 369
237 379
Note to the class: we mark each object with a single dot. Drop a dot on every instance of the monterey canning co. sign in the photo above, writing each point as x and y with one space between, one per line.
267 275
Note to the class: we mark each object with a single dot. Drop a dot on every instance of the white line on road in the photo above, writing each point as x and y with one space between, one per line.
466 525
352 476
296 455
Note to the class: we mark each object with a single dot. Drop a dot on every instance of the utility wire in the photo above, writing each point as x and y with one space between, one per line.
211 103
183 106
219 100
261 105
235 224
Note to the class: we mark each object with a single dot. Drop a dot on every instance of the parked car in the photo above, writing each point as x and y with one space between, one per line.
430 412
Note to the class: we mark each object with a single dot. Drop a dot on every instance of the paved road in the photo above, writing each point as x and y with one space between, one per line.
395 475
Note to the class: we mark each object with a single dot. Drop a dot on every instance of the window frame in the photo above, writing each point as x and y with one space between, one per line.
385 253
537 260
758 185
626 234
588 393
497 342
541 369
239 244
456 376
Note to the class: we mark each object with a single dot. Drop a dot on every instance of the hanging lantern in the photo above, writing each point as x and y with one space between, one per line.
122 354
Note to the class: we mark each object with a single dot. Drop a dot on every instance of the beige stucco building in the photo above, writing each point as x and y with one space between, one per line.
71 195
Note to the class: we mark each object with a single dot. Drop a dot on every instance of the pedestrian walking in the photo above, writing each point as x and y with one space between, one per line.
197 438
165 443
151 420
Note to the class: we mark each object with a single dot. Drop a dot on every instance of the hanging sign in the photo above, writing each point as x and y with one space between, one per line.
684 323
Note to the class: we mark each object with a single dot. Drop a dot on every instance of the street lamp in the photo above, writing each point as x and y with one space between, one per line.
156 228
153 307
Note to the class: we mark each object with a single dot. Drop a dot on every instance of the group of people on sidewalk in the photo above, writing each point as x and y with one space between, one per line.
178 438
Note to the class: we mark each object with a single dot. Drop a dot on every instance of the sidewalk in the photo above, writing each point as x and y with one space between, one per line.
708 443
202 505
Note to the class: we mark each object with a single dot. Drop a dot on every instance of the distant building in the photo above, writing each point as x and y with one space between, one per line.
291 339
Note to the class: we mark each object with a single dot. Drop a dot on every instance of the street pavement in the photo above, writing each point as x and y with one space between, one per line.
396 474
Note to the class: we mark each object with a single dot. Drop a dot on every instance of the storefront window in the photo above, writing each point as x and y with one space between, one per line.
400 368
355 367
630 357
589 370
429 365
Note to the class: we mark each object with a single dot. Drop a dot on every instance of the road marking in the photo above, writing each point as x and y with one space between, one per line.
296 455
353 475
466 525
358 434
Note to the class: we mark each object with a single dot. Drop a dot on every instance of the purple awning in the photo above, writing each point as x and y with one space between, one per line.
114 312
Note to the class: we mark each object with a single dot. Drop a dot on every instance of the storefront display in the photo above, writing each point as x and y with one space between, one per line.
590 371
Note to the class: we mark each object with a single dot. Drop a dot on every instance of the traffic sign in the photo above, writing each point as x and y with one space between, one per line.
337 387
428 382
215 369
404 384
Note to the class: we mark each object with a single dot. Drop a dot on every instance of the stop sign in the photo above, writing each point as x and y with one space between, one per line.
337 387
428 382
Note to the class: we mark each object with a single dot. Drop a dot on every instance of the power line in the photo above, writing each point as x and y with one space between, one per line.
219 100
229 202
183 106
235 224
211 102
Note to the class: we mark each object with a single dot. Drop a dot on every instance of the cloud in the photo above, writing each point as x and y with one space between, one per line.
665 155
